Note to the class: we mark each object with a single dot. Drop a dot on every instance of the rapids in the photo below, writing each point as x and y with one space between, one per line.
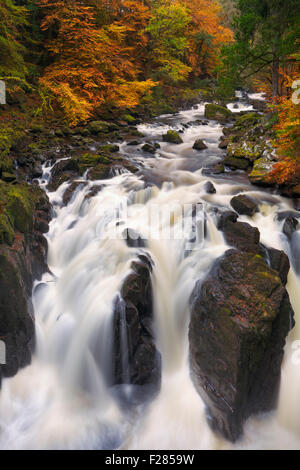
61 401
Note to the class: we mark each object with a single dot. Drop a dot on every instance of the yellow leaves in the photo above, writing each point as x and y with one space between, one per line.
287 139
128 94
206 35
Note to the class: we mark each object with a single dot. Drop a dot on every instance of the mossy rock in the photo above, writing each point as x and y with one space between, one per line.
110 148
8 177
6 165
36 129
19 208
261 172
7 233
249 150
128 118
149 148
98 127
218 113
236 163
172 137
247 120
91 159
99 172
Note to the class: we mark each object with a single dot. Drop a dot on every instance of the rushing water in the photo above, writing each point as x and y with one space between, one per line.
61 401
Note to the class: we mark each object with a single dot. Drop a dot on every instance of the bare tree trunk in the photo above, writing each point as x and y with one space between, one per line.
275 77
275 68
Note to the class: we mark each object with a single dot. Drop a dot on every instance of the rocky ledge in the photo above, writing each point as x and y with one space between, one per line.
24 217
248 146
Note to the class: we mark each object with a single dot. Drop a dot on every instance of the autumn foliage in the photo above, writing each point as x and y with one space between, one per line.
113 52
91 65
287 130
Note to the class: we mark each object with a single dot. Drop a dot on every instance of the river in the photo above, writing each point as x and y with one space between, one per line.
61 401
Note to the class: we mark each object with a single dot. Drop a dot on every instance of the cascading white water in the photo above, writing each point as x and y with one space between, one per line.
61 400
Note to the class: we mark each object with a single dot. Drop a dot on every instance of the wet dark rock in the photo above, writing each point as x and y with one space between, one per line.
63 171
223 143
149 148
134 143
241 236
297 204
199 145
209 188
240 317
279 261
69 192
290 226
216 169
133 239
93 191
37 171
224 217
282 215
243 205
136 360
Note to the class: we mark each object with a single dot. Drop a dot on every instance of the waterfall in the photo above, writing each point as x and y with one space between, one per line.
63 400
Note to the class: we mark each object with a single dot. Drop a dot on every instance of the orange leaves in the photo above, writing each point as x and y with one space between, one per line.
206 35
92 64
287 136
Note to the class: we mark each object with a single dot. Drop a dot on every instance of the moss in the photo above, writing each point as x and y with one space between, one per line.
218 113
19 207
7 234
237 163
248 150
91 159
110 148
172 137
99 172
261 171
98 127
128 118
247 120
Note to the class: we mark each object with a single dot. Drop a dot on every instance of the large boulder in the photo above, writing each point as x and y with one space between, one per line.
199 145
244 205
218 113
241 235
262 171
240 317
246 149
136 360
172 137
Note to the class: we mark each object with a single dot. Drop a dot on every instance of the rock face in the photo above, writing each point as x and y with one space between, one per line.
136 360
240 317
22 260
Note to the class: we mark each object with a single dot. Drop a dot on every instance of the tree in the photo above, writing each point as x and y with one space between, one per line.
168 41
206 35
13 68
265 36
91 63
